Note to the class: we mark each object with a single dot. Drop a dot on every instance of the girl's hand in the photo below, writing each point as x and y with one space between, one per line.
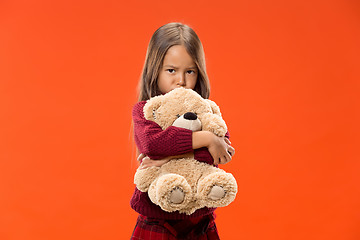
219 147
147 162
220 150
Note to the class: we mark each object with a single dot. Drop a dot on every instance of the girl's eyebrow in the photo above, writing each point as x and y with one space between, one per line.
172 66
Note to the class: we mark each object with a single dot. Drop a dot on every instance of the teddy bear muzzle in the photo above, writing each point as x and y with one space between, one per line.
189 121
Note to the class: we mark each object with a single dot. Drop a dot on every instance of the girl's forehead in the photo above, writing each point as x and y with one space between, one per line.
177 57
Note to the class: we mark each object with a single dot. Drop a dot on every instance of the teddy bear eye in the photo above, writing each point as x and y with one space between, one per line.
153 112
177 115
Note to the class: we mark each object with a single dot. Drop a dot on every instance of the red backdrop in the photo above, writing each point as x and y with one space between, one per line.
285 74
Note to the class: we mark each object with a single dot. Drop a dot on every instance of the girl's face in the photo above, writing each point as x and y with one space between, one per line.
178 70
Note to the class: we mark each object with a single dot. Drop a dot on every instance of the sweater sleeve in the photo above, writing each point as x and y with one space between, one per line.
155 142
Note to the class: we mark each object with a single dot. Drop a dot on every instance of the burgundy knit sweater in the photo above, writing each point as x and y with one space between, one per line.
156 143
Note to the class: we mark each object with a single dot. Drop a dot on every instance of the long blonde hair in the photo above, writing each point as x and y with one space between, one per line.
163 38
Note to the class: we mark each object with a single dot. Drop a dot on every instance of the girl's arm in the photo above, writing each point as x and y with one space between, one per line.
156 143
204 154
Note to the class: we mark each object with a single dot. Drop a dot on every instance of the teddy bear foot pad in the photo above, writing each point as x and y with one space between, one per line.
177 196
216 193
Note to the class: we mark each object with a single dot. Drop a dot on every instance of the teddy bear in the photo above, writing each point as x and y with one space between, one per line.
186 184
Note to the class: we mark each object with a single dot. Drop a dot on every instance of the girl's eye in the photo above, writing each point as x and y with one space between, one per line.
191 72
170 70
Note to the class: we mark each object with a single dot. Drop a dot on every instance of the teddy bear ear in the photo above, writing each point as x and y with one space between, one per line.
151 106
215 108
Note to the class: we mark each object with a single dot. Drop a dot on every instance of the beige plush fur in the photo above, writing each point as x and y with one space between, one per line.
186 185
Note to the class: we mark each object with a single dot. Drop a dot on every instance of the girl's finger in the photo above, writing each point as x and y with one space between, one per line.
231 151
141 166
146 160
216 161
140 157
144 166
227 141
226 158
221 161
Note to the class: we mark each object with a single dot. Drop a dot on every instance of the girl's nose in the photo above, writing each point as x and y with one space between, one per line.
181 80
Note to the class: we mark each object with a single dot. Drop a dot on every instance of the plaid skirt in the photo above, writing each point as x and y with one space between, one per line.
201 228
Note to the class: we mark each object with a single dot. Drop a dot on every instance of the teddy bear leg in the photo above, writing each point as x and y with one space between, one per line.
217 189
172 192
144 177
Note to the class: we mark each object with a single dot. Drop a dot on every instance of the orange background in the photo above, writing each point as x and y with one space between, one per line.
285 74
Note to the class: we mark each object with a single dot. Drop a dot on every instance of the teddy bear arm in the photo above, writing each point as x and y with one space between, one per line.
214 124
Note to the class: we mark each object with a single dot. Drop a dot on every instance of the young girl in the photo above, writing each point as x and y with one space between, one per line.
175 58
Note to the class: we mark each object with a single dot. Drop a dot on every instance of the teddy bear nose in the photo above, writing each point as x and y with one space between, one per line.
190 116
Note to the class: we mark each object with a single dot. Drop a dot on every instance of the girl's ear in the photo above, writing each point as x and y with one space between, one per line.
151 106
215 108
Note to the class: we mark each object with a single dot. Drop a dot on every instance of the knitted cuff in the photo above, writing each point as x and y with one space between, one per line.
203 155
